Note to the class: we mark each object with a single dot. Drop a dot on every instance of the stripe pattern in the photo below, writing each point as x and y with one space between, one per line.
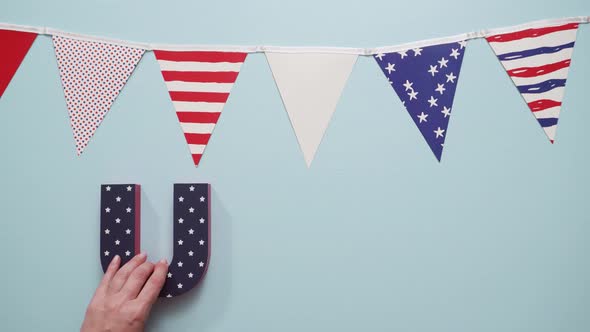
199 83
537 60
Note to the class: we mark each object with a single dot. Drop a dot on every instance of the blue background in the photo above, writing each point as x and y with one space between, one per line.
376 236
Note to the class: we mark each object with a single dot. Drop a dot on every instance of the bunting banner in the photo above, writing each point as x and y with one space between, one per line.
425 79
310 85
310 80
92 74
15 45
538 60
199 84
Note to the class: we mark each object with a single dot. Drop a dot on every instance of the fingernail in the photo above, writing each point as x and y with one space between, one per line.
142 254
116 259
164 261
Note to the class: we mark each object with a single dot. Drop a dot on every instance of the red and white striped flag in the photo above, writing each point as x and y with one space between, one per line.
199 83
537 59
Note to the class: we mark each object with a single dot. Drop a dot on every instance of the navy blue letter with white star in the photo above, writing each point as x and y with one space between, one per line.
119 222
120 231
425 79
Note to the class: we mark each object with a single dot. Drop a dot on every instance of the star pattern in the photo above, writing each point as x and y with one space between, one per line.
426 83
390 67
191 213
116 224
190 229
422 116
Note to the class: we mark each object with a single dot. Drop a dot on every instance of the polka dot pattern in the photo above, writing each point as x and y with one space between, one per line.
92 75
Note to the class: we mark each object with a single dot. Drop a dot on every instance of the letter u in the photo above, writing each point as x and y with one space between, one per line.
120 231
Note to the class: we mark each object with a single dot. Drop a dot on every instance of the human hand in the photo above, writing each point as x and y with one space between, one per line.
124 297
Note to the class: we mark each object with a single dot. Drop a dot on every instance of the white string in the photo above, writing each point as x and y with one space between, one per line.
310 49
188 47
423 43
313 49
71 35
23 28
536 24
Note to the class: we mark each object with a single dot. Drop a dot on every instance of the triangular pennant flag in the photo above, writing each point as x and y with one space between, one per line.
92 74
310 85
15 45
199 83
425 79
537 60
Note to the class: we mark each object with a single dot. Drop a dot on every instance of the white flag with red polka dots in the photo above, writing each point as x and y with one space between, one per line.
92 74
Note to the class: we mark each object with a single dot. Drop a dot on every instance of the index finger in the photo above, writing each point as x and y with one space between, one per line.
109 274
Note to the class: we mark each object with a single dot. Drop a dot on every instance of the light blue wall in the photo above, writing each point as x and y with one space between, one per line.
376 236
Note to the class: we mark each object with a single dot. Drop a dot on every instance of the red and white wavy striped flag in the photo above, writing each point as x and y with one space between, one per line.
199 83
537 59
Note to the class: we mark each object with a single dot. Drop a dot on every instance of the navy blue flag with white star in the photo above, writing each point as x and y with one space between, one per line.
120 231
425 79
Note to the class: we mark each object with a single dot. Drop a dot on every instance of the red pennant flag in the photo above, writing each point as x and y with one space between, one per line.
15 45
199 83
